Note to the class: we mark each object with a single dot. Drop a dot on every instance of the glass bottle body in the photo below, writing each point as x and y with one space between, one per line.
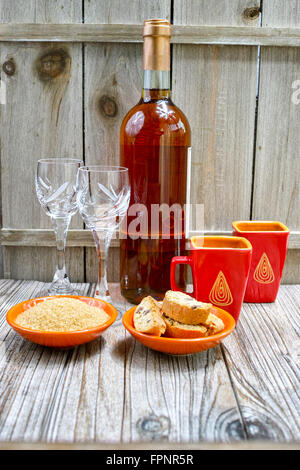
154 145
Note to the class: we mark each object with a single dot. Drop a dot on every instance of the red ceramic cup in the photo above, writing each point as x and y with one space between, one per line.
220 268
269 242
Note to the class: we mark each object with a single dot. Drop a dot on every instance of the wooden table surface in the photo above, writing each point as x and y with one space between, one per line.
114 390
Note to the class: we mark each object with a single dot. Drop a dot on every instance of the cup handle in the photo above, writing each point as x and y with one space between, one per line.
179 260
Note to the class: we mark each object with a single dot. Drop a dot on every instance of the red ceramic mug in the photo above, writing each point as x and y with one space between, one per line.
220 268
269 243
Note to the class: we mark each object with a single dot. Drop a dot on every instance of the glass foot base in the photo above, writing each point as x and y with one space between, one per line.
106 298
62 288
102 294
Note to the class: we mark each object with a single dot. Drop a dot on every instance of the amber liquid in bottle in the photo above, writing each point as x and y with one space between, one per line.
154 145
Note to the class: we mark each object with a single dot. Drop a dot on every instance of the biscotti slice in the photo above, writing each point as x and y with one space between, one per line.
214 324
182 330
148 318
183 308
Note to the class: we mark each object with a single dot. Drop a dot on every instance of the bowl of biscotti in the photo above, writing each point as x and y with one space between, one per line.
179 324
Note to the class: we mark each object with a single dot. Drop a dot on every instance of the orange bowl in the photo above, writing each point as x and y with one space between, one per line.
180 346
61 339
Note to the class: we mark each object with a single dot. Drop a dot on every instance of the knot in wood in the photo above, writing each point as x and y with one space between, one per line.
52 64
9 67
229 426
108 106
154 427
251 13
255 424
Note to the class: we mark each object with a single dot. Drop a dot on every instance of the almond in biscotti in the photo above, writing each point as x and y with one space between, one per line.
184 308
148 318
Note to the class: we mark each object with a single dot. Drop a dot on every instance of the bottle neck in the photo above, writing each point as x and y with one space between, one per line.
156 63
156 85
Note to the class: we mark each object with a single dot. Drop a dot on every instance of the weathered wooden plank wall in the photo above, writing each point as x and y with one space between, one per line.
42 118
277 170
242 149
216 86
113 77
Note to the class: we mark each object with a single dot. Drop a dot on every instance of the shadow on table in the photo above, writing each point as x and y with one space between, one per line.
130 350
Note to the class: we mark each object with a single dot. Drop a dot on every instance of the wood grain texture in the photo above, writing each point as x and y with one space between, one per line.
42 118
216 13
263 359
219 86
111 390
154 445
113 81
113 72
115 391
291 272
83 238
214 85
184 397
127 11
131 33
23 262
40 11
277 165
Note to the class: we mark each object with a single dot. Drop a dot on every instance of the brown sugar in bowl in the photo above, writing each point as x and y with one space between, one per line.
61 339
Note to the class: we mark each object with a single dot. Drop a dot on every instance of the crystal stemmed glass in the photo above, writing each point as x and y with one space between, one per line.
55 184
103 199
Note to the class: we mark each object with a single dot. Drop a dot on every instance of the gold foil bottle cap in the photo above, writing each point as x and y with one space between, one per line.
157 28
157 34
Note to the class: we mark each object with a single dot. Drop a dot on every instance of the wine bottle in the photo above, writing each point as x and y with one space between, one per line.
155 142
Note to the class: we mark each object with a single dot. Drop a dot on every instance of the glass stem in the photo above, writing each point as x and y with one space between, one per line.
102 241
60 226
